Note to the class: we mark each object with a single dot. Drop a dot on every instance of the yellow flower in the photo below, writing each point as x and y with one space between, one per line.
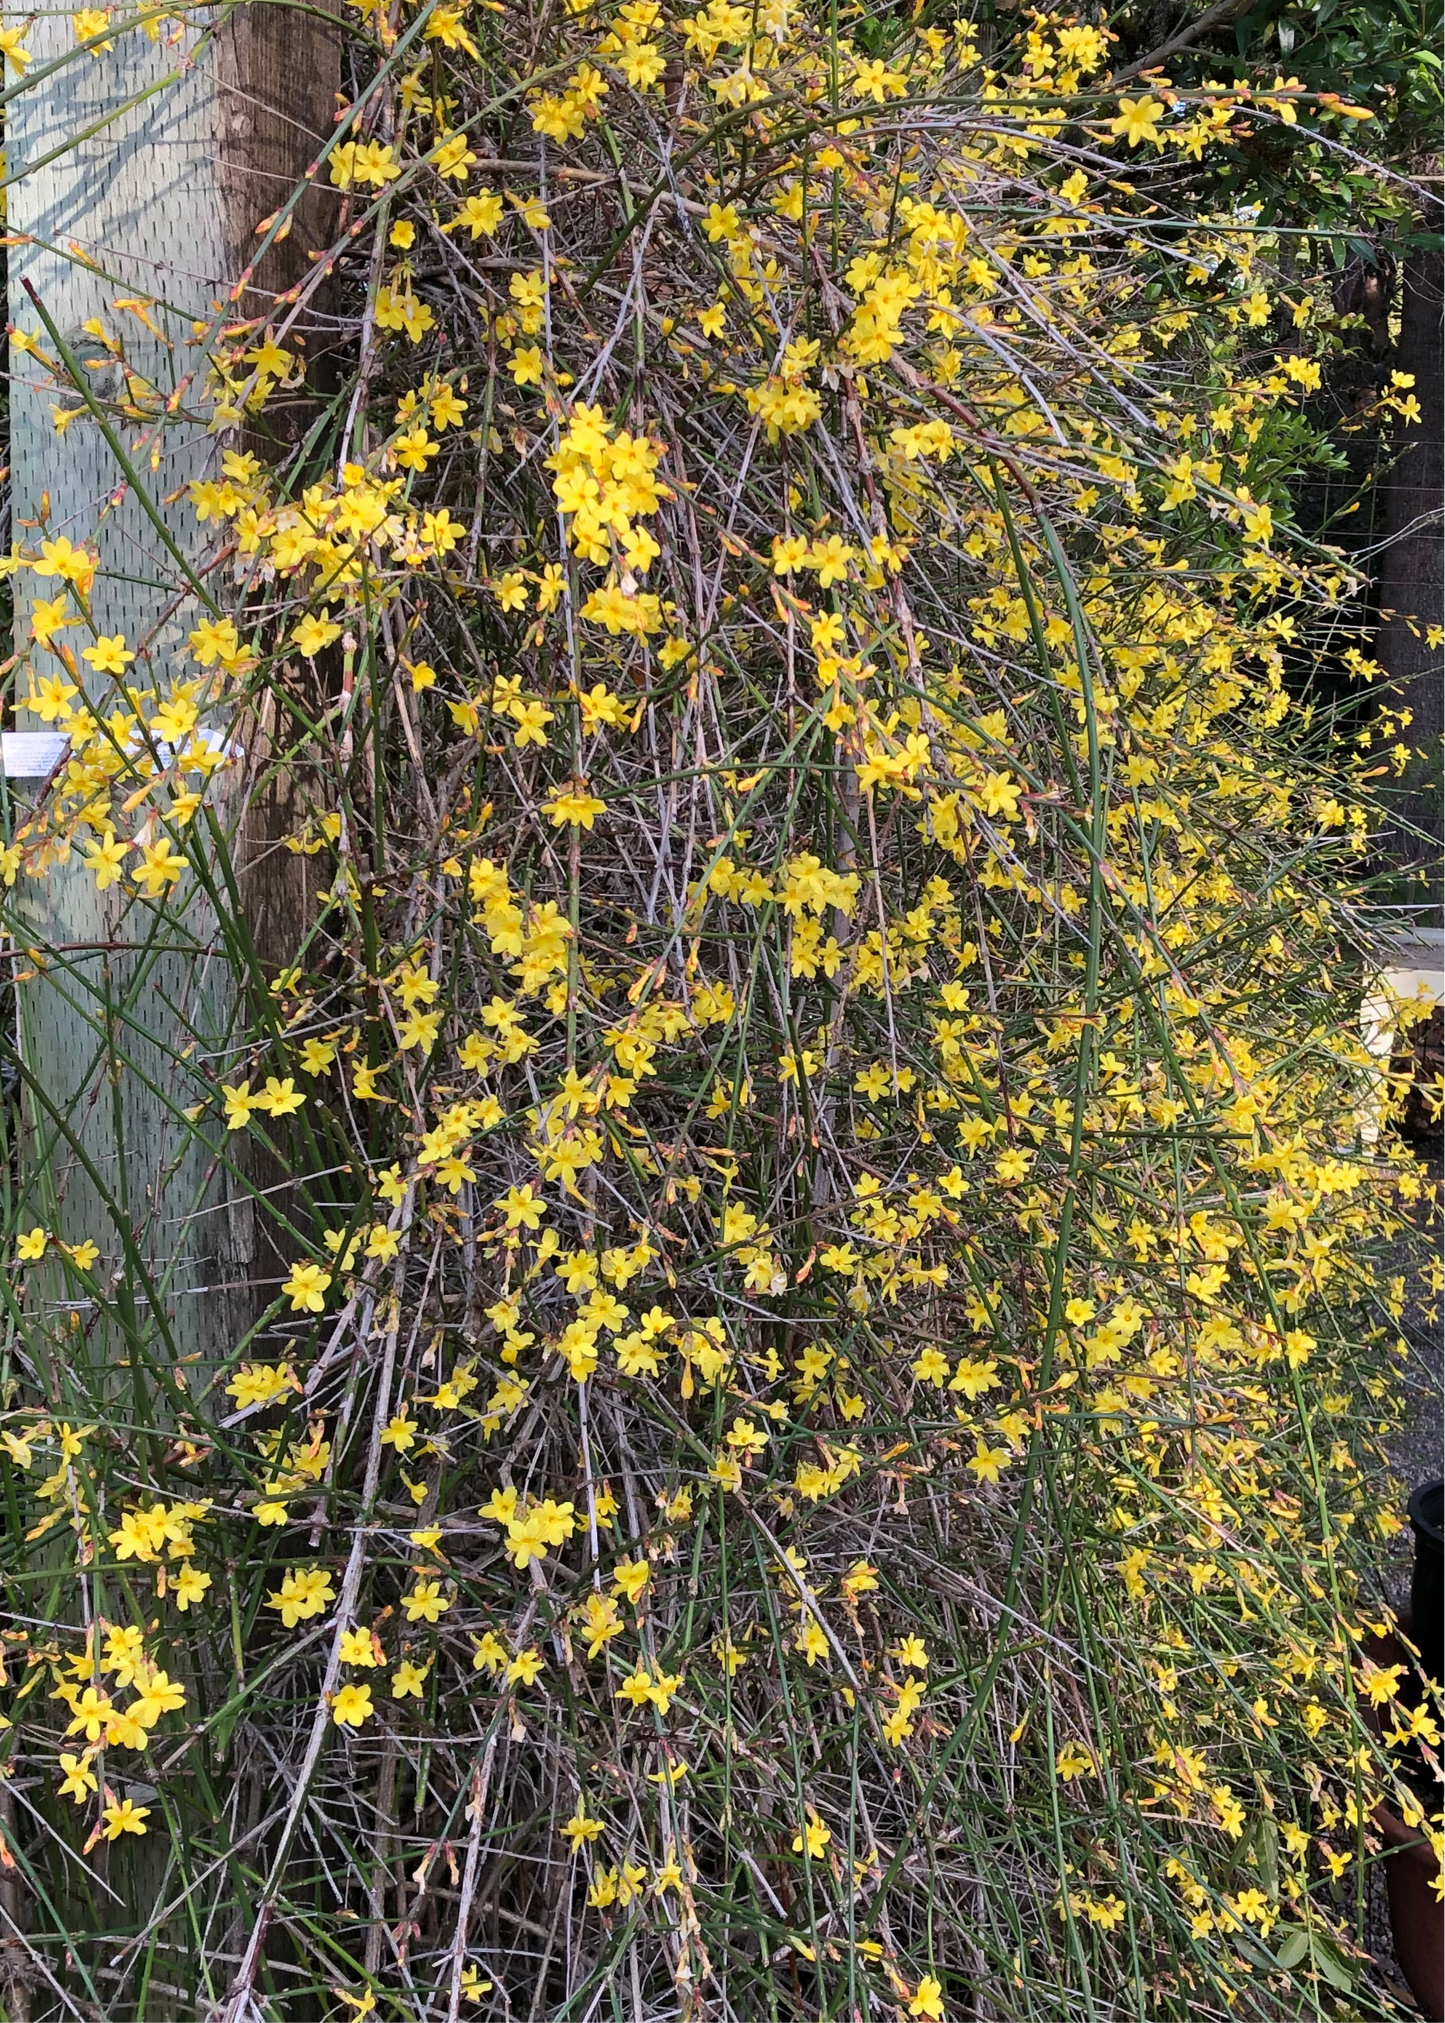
279 1097
642 64
636 1689
987 1462
109 655
352 1705
357 1648
239 1103
489 1654
419 1029
50 700
1137 120
522 1208
59 558
176 718
262 1383
158 1694
931 1367
631 1577
306 1288
31 1245
315 631
363 1083
580 1828
524 1668
124 1817
190 1586
78 1780
577 807
104 857
500 1506
426 1602
160 868
370 162
92 1711
90 22
303 1592
215 640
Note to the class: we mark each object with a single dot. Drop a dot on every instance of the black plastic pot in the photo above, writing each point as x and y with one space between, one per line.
1427 1586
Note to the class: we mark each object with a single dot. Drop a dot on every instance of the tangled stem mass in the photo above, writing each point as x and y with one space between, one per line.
811 1453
